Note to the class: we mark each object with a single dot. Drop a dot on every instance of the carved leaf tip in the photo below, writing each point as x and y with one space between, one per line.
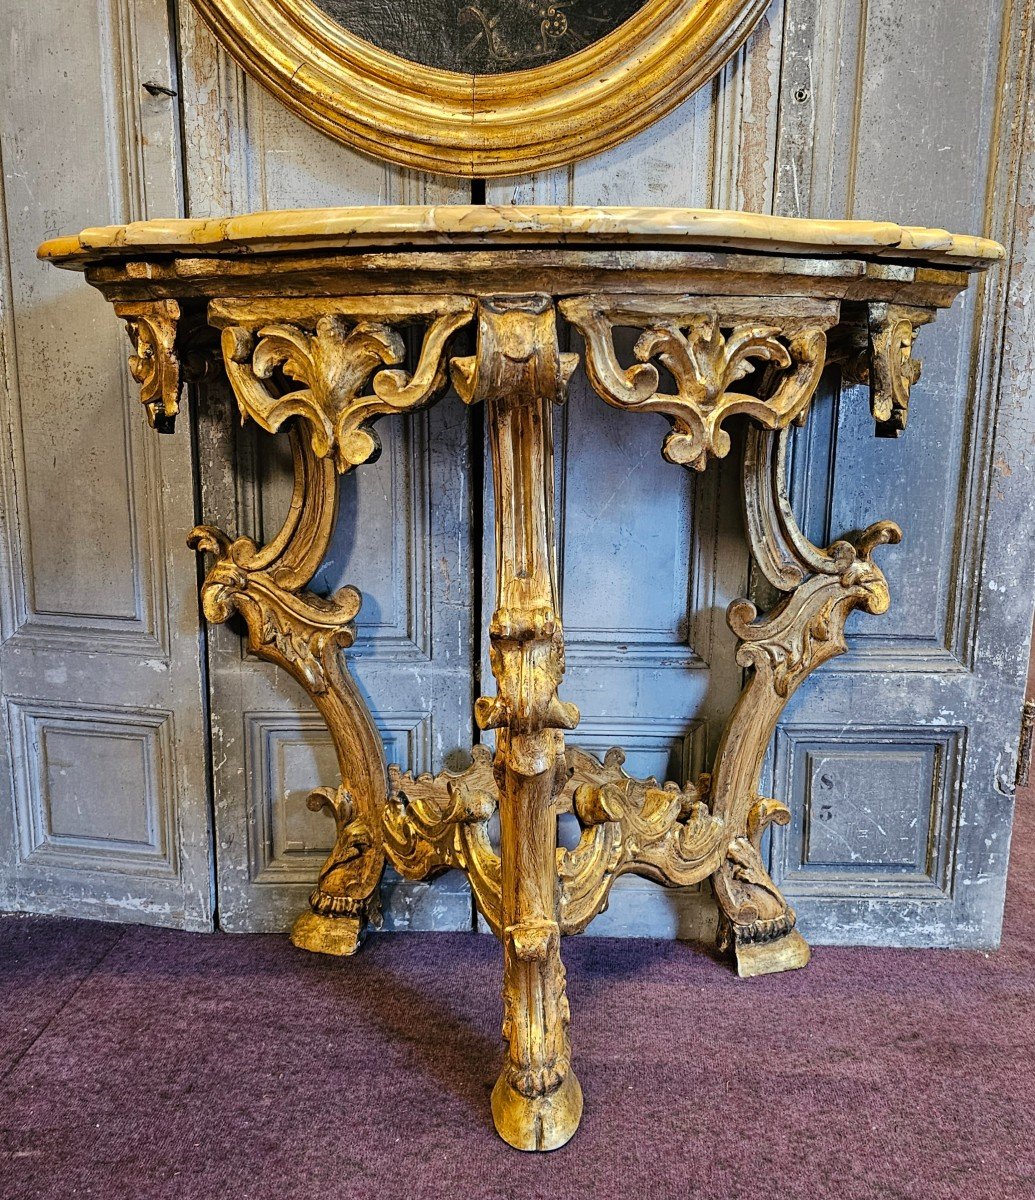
462 371
208 539
338 801
881 533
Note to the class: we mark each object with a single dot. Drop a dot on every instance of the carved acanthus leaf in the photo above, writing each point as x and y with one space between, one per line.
536 1013
155 362
664 832
528 670
807 627
343 887
707 359
893 369
517 345
435 823
752 905
349 369
304 631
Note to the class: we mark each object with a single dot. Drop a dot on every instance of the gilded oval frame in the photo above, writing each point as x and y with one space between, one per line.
481 125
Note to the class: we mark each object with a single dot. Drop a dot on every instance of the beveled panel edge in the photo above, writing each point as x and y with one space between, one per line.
26 720
939 886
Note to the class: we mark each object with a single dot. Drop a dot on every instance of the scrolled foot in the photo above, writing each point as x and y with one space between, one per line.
537 1122
340 936
755 922
785 953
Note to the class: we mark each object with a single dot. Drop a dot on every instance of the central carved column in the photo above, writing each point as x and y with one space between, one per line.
519 373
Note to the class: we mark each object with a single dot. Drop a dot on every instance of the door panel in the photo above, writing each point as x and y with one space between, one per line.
896 758
893 754
103 796
643 545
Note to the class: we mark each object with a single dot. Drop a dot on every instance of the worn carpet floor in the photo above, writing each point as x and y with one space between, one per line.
139 1063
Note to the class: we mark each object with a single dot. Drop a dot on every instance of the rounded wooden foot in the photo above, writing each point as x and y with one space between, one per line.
539 1123
786 953
327 935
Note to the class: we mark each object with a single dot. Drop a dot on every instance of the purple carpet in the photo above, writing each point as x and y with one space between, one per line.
139 1063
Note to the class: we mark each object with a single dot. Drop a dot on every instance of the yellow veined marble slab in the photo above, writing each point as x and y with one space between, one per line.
396 227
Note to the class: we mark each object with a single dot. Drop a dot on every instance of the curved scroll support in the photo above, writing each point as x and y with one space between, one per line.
781 648
436 823
665 833
305 635
335 350
706 355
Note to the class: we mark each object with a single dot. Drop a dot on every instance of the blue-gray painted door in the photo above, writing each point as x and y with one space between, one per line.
898 759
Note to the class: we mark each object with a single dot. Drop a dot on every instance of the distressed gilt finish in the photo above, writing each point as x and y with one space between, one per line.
311 339
481 125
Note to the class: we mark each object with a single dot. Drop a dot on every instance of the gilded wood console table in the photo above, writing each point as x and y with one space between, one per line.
737 315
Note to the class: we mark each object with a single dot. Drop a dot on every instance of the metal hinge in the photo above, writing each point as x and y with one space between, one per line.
1027 744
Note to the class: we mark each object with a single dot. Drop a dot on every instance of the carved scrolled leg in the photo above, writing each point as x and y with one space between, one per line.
519 373
305 635
331 367
709 352
780 649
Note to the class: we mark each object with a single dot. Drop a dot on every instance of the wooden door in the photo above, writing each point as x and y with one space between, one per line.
899 765
898 759
104 808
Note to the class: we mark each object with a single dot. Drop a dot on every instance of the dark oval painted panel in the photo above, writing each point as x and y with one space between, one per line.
486 37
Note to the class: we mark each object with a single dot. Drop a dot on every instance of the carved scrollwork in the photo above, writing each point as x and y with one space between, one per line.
754 911
807 628
874 346
706 357
893 369
435 823
663 832
305 633
341 890
347 357
780 649
170 347
519 372
155 361
536 1013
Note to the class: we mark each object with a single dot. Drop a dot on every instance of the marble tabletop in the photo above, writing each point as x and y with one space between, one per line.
397 227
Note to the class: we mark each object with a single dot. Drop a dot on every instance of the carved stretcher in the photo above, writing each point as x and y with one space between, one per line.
736 315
